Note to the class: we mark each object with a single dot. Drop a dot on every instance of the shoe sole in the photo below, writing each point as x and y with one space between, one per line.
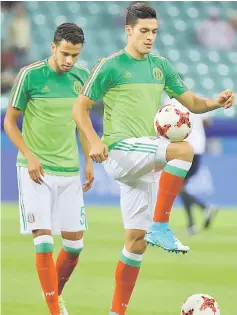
176 251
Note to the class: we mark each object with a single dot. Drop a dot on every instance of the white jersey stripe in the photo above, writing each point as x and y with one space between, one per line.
91 80
96 70
21 79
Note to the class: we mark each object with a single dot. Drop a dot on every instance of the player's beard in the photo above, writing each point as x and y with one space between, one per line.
58 66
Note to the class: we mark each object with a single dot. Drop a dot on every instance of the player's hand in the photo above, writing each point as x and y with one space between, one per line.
226 99
35 169
99 152
89 175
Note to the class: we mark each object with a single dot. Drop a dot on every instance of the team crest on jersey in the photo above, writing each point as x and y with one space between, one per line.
77 86
31 217
158 74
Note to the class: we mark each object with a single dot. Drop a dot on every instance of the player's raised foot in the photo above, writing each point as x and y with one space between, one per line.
159 234
62 306
209 215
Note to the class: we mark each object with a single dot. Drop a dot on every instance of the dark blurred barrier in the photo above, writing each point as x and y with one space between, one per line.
216 181
222 128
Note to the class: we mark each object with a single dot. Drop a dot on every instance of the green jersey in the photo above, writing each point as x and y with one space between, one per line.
46 99
131 91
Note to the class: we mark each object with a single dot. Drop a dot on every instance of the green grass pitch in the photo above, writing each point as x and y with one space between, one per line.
165 280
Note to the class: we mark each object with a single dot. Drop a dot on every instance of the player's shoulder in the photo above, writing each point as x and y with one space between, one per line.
82 73
81 70
161 62
115 56
33 67
157 58
111 60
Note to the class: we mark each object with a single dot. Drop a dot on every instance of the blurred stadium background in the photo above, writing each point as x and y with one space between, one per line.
200 39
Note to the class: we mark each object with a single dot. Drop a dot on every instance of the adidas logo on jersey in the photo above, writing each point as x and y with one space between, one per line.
45 89
127 75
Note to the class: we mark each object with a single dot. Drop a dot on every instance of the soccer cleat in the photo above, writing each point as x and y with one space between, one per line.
62 306
159 234
209 215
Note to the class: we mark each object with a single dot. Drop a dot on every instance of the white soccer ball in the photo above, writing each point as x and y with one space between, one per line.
173 123
200 304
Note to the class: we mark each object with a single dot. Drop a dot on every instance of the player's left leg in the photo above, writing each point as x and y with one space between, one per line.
36 205
67 260
127 270
73 223
131 159
137 204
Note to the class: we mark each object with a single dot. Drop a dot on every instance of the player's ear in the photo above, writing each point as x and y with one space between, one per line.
128 30
53 47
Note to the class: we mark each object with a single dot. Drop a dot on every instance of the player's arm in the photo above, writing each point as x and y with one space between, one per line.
85 144
13 132
176 88
200 105
98 151
83 120
17 105
89 173
97 84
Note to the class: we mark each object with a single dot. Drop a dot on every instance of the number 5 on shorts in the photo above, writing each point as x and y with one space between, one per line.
83 216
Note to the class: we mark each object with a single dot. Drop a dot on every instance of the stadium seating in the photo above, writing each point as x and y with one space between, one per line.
206 71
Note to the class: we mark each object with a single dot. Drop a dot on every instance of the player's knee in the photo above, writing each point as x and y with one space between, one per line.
136 244
40 232
181 150
73 247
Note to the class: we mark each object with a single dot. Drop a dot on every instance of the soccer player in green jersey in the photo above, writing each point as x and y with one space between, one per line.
50 190
131 83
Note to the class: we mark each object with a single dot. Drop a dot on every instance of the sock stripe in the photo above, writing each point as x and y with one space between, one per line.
132 256
44 248
175 171
44 244
74 251
43 239
180 164
73 244
73 247
130 262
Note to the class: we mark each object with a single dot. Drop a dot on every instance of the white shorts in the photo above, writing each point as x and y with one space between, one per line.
55 205
135 164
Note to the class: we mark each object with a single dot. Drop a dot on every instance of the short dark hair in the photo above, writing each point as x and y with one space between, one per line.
139 10
70 32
